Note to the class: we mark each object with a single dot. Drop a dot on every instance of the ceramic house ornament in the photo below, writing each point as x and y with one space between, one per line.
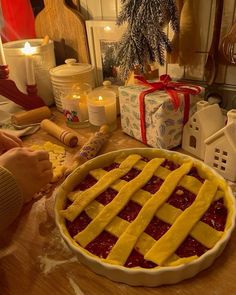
221 149
204 122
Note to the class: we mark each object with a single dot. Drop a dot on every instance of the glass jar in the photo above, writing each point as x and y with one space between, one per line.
107 85
75 107
102 108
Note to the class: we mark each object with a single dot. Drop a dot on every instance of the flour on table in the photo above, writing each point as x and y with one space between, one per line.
75 287
47 264
55 254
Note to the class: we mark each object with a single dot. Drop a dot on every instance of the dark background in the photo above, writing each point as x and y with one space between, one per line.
38 5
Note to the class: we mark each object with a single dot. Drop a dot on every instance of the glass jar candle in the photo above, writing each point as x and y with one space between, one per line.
75 107
102 108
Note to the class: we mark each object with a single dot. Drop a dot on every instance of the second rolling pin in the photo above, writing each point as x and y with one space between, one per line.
31 117
65 136
90 149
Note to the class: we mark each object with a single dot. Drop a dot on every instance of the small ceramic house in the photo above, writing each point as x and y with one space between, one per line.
204 122
221 149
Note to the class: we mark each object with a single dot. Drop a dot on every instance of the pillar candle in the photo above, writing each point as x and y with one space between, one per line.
82 106
2 55
102 107
29 63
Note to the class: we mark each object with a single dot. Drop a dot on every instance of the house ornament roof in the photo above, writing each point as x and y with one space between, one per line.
229 132
210 119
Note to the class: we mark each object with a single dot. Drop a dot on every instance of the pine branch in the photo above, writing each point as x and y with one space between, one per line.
145 41
128 55
127 11
174 19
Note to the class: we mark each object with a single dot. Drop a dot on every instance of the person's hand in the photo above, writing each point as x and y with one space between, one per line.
8 141
31 169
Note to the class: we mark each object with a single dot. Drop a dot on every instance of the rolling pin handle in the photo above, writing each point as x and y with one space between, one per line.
65 136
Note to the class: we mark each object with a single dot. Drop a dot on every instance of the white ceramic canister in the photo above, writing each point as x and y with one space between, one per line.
64 77
43 60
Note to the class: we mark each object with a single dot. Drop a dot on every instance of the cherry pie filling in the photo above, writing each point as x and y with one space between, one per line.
181 198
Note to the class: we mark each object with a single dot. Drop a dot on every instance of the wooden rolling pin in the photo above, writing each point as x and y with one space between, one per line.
90 149
31 117
65 136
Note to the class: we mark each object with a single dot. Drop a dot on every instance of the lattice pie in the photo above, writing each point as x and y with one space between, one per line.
145 216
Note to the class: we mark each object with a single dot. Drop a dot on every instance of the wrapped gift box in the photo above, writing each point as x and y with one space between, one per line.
163 121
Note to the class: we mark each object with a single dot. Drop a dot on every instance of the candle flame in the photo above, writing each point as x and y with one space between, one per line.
107 28
76 96
28 50
100 98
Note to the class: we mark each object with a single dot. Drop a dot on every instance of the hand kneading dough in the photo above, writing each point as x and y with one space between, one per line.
57 156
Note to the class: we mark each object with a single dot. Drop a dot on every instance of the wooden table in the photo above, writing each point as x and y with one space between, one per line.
35 261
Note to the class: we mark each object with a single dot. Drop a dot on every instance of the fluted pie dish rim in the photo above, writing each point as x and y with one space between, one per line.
139 276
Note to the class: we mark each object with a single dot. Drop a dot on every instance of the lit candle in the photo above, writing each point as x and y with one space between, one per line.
102 108
2 55
82 106
29 63
75 108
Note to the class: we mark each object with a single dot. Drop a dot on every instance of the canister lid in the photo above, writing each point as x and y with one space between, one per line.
108 86
71 67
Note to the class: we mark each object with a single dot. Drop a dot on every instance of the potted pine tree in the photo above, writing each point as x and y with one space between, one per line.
145 40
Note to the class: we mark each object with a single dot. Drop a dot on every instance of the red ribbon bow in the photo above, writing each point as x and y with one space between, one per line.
172 88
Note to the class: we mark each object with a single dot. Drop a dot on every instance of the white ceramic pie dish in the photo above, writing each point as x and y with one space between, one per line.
138 276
